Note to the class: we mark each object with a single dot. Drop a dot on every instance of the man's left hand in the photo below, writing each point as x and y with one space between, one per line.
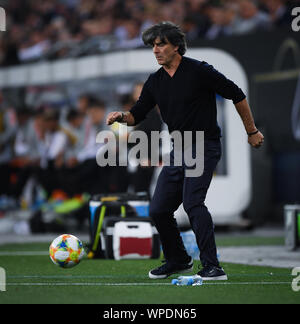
256 140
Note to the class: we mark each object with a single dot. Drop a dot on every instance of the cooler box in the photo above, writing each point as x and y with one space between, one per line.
132 240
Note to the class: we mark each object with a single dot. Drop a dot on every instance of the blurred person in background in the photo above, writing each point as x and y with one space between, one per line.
194 29
97 27
279 12
52 148
171 11
250 18
8 129
196 14
130 37
83 103
37 137
72 127
93 179
229 17
28 149
216 15
195 6
222 18
23 160
150 17
22 140
35 47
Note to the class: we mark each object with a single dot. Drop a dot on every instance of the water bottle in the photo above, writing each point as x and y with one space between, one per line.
188 281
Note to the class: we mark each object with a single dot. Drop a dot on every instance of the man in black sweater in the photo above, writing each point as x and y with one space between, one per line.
185 91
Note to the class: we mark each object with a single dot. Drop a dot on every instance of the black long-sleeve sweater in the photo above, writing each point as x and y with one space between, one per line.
187 101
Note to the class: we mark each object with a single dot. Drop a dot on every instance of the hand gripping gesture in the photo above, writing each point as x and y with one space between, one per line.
120 117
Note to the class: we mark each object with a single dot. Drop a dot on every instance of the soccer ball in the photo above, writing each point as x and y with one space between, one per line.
66 251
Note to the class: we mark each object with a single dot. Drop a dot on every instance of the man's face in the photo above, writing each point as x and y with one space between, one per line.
164 51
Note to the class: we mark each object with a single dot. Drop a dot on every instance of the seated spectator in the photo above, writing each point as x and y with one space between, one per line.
83 103
22 143
29 160
279 12
223 19
98 27
250 19
216 15
129 34
73 129
35 48
96 112
53 149
37 137
55 138
195 27
229 17
93 178
7 136
23 160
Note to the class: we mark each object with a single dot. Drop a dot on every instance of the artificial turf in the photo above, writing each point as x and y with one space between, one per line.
32 278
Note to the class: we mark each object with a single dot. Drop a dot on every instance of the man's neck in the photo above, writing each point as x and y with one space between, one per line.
172 67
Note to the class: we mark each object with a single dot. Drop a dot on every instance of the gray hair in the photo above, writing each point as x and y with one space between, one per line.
166 31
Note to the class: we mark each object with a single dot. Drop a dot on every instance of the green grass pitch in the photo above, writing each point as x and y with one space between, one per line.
31 277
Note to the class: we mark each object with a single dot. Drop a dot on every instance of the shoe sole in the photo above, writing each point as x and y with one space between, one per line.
151 276
224 278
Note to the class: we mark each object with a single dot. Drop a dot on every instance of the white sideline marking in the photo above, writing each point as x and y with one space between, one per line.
68 277
136 283
85 284
23 253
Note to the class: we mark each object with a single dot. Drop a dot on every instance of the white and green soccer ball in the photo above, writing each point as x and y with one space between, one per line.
66 251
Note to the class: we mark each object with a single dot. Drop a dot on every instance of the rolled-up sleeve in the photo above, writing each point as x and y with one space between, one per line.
222 85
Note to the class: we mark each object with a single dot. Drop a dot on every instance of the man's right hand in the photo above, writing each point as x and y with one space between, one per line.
118 116
113 117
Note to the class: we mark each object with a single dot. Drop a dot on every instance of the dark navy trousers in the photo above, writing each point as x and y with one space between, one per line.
172 189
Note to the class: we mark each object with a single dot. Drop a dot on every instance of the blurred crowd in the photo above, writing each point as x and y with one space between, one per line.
55 149
51 29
